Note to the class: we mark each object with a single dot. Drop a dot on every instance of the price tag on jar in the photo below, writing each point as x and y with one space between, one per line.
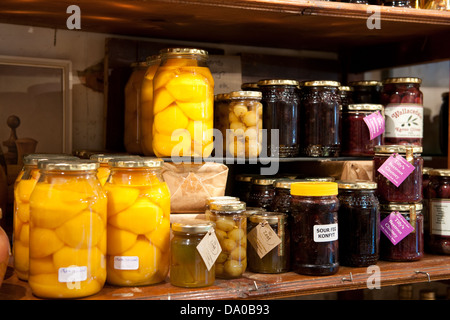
263 238
396 169
395 227
209 248
375 123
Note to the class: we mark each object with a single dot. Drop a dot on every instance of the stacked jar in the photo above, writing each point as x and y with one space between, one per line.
261 193
406 199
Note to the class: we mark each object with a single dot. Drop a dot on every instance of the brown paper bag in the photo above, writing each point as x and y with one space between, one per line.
190 184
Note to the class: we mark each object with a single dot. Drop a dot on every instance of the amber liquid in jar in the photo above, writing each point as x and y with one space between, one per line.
359 224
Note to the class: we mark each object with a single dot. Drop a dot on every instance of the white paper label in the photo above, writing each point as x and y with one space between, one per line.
72 274
403 121
440 217
209 249
263 239
325 232
126 262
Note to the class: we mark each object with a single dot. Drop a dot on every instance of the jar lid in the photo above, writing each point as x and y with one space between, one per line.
139 64
68 164
220 198
269 217
104 157
183 51
397 149
365 106
320 83
245 177
314 189
439 172
399 206
193 226
366 83
263 181
278 82
403 80
320 179
345 88
150 60
254 210
222 96
136 162
227 206
34 158
426 170
245 94
249 85
357 185
286 183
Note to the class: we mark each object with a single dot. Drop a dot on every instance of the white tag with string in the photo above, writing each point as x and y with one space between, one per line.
209 248
263 238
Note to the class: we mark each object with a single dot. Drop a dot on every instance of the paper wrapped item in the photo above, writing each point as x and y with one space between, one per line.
190 184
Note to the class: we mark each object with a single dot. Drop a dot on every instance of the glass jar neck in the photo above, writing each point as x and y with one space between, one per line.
196 60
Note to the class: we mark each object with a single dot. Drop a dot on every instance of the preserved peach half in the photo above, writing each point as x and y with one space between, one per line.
188 87
160 237
82 231
91 257
170 119
43 242
21 254
163 144
119 240
180 62
162 77
197 110
24 189
142 217
42 265
120 198
23 211
162 100
160 195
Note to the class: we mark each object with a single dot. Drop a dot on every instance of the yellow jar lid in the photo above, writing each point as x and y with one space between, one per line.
314 189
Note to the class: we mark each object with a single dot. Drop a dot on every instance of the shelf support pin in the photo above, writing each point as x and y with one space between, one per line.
345 279
423 272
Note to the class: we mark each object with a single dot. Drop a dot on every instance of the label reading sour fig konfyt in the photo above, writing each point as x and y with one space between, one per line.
325 232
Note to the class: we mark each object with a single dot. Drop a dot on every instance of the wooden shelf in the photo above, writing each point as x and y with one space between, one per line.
262 286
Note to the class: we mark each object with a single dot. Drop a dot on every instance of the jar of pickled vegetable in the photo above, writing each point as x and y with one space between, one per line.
366 91
314 229
146 106
355 134
320 101
359 223
261 193
403 107
410 190
231 231
217 199
410 248
183 105
67 230
23 187
439 211
187 268
275 260
138 222
221 118
131 132
280 99
245 124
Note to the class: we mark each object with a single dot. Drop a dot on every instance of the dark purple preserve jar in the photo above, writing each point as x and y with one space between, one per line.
261 193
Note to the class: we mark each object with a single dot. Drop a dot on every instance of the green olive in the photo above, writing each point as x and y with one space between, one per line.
221 235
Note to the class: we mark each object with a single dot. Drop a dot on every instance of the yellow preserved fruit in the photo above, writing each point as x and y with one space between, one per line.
68 241
138 222
183 104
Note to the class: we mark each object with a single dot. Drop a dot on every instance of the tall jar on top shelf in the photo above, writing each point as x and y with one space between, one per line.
183 106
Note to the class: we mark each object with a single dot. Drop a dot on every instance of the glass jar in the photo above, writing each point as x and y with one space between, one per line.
67 230
355 134
366 91
277 259
231 231
439 211
314 229
183 105
403 108
146 106
138 222
131 132
23 187
187 268
411 188
410 248
282 196
221 121
280 99
261 193
359 223
243 186
103 170
320 101
217 199
346 99
245 124
443 123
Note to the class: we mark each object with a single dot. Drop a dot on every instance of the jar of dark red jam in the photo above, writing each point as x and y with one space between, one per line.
314 229
280 99
366 91
410 248
439 211
359 223
403 108
319 113
277 259
410 190
355 133
261 193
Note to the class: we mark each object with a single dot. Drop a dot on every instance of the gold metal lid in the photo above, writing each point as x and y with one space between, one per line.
269 217
68 165
401 207
278 82
403 80
263 181
254 210
220 198
222 96
32 159
320 83
136 162
245 94
245 177
105 157
439 172
193 226
320 179
249 85
345 88
366 83
426 170
227 206
397 149
365 107
183 51
286 183
357 185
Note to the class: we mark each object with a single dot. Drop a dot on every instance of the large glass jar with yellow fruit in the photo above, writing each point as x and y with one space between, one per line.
131 133
183 104
146 106
67 230
103 159
23 186
138 222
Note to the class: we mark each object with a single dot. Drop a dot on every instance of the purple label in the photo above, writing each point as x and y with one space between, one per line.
375 123
395 227
396 169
